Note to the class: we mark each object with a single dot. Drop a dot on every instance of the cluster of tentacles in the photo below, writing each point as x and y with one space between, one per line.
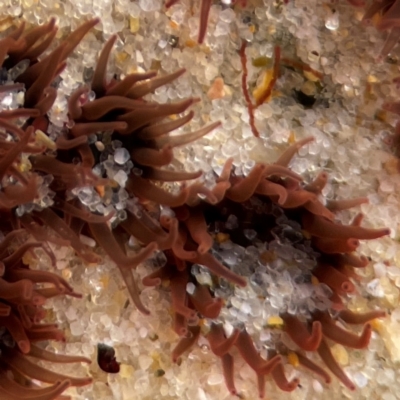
139 126
23 291
194 229
19 59
119 108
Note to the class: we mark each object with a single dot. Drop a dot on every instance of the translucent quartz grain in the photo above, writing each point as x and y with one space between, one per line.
215 378
145 362
76 328
121 156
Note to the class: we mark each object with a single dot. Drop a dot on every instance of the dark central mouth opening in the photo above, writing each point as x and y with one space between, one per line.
267 246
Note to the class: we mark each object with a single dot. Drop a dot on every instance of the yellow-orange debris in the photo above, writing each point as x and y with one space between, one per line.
259 91
275 320
293 359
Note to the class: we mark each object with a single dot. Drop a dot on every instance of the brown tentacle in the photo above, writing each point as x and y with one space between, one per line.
132 286
339 205
42 354
245 187
317 185
53 221
249 353
204 303
17 331
105 238
181 140
74 102
152 157
88 128
63 143
290 152
141 89
34 93
228 371
96 109
197 227
204 12
337 281
34 371
99 84
335 246
271 189
122 88
154 131
179 296
311 366
186 343
356 318
278 375
217 268
321 227
298 332
326 355
218 343
170 176
341 336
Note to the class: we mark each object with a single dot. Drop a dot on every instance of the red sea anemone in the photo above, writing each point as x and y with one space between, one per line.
254 231
139 145
23 291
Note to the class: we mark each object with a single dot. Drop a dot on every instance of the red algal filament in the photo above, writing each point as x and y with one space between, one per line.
250 106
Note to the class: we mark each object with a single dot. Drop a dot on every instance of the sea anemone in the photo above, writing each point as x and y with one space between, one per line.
23 292
107 158
135 130
269 231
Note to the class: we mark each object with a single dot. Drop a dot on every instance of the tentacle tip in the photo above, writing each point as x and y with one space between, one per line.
153 246
212 199
348 287
24 346
307 140
354 243
351 386
242 283
281 200
202 249
182 332
294 383
382 314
